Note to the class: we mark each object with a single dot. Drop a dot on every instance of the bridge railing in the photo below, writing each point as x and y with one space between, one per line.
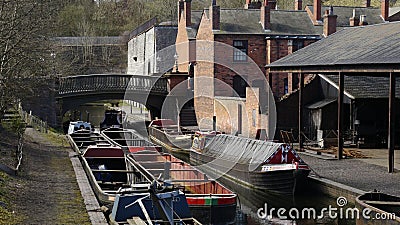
111 83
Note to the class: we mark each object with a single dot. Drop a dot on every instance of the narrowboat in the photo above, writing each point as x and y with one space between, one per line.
112 118
255 164
173 138
107 172
79 125
81 135
209 201
378 208
154 206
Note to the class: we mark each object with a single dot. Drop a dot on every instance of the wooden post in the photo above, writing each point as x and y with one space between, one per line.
340 116
392 95
301 86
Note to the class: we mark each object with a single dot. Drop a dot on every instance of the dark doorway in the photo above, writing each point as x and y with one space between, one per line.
239 85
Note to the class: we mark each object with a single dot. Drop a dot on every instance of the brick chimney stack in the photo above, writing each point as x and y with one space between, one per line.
298 5
265 16
354 21
329 22
367 3
180 9
317 10
188 12
385 9
215 15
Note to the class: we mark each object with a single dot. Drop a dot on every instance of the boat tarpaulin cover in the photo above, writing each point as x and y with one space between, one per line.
233 149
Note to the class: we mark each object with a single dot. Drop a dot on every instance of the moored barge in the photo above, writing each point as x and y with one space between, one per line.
209 201
170 136
255 164
107 172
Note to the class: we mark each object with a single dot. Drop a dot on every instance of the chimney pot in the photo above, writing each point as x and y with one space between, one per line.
252 4
354 20
363 20
367 3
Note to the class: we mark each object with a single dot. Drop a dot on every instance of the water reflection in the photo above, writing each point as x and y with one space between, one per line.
251 201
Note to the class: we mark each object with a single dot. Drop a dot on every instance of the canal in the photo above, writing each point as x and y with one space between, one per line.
254 205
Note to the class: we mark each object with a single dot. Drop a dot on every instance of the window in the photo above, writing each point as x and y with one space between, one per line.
240 51
285 86
297 44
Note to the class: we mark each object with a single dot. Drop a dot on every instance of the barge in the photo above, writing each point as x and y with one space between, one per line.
151 207
255 164
173 138
209 201
107 172
81 135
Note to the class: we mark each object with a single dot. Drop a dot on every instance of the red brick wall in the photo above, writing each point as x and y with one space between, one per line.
224 54
204 74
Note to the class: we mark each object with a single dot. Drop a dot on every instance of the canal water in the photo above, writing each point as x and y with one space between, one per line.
251 201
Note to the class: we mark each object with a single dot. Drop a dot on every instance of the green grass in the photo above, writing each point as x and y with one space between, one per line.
7 215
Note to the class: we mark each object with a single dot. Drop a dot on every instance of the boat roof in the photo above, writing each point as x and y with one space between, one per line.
242 150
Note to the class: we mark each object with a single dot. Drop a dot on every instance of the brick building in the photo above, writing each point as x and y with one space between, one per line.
257 36
349 16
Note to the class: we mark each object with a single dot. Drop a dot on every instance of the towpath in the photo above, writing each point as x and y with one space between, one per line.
46 190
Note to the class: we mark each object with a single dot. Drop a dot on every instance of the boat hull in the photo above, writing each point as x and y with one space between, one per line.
378 204
279 182
214 214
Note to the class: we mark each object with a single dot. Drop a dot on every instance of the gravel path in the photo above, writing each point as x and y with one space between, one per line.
357 174
46 190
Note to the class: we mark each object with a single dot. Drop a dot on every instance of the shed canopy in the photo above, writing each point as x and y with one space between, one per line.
374 48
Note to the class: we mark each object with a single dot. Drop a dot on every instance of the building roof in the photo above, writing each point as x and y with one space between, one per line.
247 21
77 41
321 104
364 86
196 18
366 47
373 15
393 11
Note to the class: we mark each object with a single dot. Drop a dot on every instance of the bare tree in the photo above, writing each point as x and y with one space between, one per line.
24 52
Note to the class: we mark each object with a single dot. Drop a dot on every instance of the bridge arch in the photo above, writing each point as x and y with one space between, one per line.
80 89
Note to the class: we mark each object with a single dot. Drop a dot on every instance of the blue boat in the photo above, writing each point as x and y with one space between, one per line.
165 207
